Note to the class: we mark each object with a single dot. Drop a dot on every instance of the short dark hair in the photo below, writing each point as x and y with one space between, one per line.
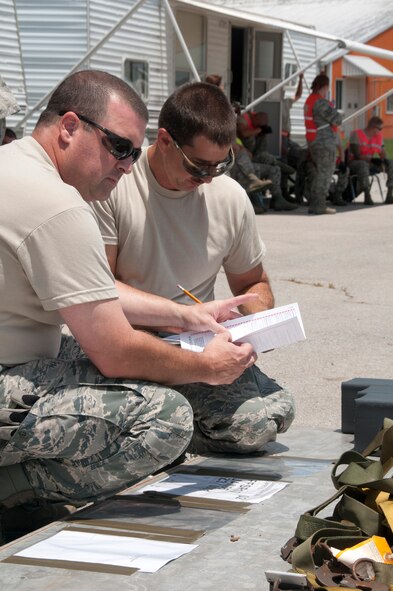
88 92
199 108
319 82
375 122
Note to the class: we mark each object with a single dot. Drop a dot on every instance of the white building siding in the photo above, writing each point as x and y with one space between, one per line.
56 35
305 48
218 55
53 38
141 37
11 66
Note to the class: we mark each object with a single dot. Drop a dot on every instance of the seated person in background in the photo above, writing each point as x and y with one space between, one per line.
367 156
180 219
252 129
243 170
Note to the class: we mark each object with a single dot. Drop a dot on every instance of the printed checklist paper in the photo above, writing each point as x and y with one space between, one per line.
266 330
225 488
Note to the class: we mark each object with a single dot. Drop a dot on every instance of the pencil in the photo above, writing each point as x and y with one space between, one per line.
190 295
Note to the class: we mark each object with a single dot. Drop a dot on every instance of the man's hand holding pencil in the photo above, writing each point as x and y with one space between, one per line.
208 316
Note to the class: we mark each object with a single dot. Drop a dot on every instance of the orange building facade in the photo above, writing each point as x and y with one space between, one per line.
353 87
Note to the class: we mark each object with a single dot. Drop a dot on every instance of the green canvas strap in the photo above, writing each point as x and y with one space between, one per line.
360 472
364 509
307 556
309 523
353 509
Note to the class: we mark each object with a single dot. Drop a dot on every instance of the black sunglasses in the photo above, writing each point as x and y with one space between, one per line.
120 147
209 170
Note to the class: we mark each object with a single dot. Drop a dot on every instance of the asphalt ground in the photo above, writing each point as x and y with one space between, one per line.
339 268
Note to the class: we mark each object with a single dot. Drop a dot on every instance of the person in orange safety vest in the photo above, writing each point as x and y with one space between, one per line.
367 156
321 120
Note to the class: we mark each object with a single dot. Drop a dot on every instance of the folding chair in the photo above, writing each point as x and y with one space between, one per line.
372 177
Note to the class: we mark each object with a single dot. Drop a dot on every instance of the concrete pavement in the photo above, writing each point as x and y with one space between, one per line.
339 268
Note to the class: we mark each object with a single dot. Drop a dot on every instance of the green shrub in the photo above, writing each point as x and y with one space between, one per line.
389 148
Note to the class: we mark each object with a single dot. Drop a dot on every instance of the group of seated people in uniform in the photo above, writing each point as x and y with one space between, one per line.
329 168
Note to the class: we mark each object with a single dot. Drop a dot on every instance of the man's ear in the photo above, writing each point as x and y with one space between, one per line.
164 139
68 124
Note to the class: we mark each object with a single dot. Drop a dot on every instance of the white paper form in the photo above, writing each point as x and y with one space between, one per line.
266 330
146 555
226 488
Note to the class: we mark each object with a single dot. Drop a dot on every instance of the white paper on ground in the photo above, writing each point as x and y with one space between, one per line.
266 330
146 555
216 487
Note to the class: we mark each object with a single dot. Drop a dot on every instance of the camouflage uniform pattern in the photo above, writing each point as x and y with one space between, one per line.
244 166
241 417
336 189
323 154
341 183
271 172
85 437
270 167
322 169
363 169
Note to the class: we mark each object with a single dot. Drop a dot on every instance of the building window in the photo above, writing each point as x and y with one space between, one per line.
193 29
136 73
289 69
389 104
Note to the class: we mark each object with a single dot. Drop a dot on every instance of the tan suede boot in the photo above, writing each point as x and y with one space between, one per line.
257 184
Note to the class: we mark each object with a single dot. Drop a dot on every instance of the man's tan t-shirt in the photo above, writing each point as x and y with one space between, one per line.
51 253
168 237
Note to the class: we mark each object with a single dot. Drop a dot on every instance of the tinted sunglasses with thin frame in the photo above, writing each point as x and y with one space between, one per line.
209 170
120 147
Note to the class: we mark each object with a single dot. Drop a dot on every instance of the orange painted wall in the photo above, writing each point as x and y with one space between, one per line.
375 87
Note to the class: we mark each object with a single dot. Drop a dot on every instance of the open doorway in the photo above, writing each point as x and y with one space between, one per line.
239 65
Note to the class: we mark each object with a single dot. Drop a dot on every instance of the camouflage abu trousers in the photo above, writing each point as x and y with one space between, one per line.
323 158
85 436
363 169
240 417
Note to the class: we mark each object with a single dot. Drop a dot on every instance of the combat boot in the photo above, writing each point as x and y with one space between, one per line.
337 199
280 204
389 195
15 488
367 198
